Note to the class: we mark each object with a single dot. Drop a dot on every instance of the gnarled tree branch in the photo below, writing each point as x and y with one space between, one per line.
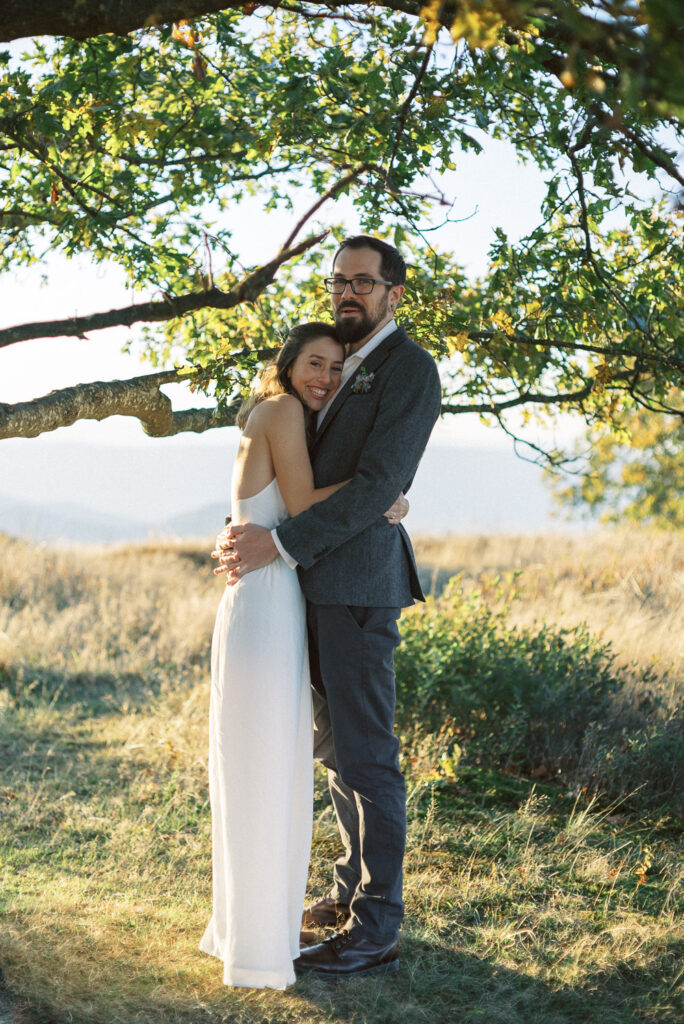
139 397
142 398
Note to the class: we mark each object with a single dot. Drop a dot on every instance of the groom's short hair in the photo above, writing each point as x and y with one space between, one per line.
393 266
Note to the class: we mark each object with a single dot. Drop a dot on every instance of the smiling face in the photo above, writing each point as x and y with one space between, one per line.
315 373
359 316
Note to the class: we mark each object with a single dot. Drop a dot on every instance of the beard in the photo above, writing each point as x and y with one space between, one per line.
351 331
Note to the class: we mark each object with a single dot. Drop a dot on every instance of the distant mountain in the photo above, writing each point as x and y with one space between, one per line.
203 522
75 524
64 521
82 494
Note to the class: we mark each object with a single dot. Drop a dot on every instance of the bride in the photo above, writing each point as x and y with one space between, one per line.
260 728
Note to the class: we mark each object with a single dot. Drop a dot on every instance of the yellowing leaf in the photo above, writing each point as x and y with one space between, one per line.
595 82
502 321
458 342
430 15
183 33
478 23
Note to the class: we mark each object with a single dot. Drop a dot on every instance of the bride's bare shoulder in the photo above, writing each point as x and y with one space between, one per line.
274 415
280 407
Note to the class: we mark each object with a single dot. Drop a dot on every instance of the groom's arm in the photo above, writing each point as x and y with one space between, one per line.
258 546
407 412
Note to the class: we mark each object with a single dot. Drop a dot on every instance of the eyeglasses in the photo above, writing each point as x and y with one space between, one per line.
359 285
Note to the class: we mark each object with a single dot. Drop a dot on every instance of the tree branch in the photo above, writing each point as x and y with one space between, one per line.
492 408
654 153
139 397
174 305
673 362
406 106
331 193
82 19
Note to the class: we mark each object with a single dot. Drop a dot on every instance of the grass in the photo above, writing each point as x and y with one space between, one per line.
527 900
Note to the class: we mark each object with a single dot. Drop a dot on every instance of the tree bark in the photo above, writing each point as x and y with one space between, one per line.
81 19
142 398
139 397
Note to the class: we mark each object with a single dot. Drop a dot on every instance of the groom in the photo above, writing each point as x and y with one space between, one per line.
357 572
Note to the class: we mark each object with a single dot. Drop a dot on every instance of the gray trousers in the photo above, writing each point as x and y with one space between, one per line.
352 673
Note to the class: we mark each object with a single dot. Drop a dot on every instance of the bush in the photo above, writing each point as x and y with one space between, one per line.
517 695
543 701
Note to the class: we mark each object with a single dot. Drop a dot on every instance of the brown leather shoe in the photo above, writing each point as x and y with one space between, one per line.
345 956
326 913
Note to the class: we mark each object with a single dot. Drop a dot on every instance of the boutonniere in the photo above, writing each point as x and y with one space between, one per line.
364 381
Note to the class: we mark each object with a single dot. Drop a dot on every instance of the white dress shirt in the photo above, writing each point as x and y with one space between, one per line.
351 364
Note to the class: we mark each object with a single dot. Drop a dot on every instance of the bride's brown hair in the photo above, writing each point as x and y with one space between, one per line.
274 379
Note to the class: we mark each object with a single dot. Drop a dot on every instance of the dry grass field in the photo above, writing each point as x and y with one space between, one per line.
530 897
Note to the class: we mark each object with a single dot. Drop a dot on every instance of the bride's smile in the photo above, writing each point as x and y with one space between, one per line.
315 373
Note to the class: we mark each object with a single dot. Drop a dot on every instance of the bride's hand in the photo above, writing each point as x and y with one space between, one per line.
223 550
242 549
396 513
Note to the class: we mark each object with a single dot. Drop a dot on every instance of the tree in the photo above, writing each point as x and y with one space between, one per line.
634 471
129 133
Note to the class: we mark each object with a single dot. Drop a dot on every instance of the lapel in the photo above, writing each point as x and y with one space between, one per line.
370 364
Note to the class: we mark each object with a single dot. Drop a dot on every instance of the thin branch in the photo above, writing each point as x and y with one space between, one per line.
654 406
330 194
544 456
403 113
658 157
589 253
351 19
584 137
495 408
584 217
14 217
173 305
674 362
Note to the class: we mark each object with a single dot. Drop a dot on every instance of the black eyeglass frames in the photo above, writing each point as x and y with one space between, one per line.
359 285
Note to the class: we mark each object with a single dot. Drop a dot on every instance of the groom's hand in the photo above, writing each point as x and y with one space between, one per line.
242 549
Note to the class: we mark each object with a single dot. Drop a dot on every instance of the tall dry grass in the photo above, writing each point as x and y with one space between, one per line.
523 904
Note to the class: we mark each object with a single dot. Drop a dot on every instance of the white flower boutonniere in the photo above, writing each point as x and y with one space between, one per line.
363 382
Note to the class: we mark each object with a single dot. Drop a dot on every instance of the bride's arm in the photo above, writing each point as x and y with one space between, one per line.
283 423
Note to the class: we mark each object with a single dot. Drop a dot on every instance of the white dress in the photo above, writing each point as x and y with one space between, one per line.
260 767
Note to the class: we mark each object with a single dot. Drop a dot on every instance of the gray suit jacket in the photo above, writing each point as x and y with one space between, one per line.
347 551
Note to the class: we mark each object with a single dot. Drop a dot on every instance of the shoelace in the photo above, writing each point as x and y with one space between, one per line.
338 942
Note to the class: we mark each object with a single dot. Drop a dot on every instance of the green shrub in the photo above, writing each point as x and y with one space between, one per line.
541 700
519 696
646 761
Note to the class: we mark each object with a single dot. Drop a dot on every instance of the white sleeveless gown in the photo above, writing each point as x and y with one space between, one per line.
260 767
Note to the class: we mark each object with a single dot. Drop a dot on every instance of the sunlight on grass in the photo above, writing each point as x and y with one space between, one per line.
528 900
